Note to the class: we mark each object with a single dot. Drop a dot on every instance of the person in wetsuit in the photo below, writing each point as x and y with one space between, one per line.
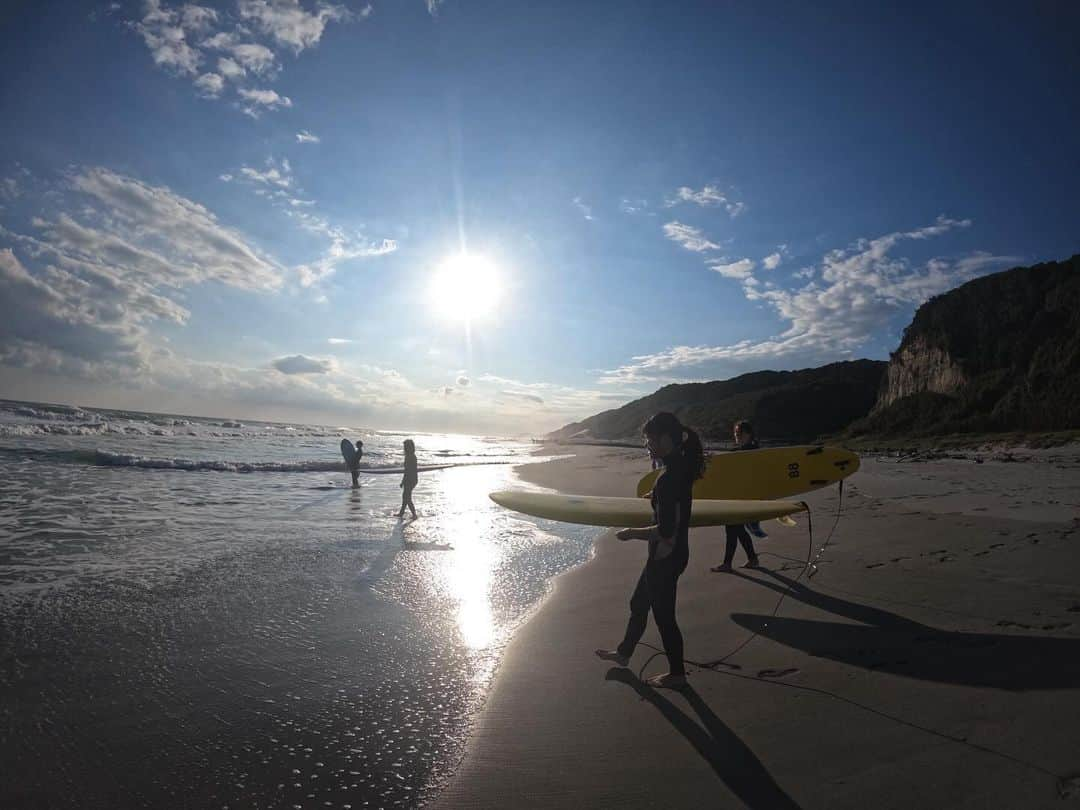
680 450
408 481
744 440
354 468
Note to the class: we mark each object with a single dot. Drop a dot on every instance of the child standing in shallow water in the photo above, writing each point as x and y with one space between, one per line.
408 481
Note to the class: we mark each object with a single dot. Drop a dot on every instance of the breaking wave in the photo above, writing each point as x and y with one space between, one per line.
107 458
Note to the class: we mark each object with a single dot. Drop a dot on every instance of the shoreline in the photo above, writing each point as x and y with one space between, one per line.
560 728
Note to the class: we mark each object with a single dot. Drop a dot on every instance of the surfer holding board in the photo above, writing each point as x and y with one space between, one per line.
680 450
352 456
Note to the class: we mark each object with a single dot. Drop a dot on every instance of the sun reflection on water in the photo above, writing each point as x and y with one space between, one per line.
467 521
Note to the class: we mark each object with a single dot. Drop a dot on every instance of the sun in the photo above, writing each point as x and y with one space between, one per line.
465 288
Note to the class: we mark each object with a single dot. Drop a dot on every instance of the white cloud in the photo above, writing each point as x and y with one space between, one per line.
9 188
303 136
707 197
83 294
262 99
226 178
210 85
288 22
586 210
341 250
254 57
275 174
195 18
738 269
628 206
200 248
689 237
302 364
433 7
230 69
163 31
772 261
182 37
860 288
339 341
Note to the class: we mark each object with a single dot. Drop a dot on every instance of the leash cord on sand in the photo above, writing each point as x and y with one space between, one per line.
1064 784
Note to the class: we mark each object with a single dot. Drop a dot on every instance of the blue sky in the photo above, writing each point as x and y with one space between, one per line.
241 208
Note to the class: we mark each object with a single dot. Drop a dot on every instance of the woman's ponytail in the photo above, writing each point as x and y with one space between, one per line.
693 454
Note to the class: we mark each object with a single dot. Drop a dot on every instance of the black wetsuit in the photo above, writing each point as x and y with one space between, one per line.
408 483
656 588
738 534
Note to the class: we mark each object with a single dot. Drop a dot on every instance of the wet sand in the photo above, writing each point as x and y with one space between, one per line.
933 660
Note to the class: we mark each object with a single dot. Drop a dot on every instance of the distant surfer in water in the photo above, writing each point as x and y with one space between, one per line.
683 457
744 440
354 466
408 481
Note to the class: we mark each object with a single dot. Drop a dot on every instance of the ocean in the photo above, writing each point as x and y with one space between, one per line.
203 613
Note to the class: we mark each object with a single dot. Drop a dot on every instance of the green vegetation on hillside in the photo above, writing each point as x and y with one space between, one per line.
784 405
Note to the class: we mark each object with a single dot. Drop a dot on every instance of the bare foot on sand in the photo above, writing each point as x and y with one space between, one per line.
613 656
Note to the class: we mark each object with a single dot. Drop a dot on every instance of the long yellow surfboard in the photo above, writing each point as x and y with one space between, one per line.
591 510
775 472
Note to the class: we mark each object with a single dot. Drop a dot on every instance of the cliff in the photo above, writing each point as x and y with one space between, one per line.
1000 353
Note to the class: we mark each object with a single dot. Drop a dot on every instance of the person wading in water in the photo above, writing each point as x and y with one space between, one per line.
680 450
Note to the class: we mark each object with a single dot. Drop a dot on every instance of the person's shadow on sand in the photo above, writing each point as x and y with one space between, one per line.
886 642
729 757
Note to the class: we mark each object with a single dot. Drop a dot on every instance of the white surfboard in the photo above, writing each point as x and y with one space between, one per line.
592 510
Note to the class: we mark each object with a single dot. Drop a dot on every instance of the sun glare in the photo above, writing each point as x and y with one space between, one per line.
465 288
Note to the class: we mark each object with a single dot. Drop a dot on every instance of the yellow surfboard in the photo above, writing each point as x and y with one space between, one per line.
775 472
591 510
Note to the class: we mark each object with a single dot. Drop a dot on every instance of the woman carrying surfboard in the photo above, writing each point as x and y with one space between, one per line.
744 440
680 450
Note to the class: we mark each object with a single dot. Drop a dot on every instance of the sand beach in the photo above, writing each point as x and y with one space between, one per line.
933 659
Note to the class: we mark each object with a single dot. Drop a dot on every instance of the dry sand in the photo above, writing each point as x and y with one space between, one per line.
932 662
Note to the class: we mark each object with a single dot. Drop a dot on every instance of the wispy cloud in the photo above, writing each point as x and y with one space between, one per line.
275 174
586 210
772 261
707 197
689 237
288 23
303 136
260 100
182 38
84 287
858 289
740 269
